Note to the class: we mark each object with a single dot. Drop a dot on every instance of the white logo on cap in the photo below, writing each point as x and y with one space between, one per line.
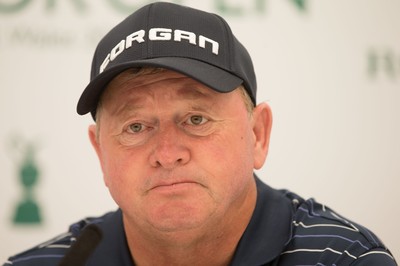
158 34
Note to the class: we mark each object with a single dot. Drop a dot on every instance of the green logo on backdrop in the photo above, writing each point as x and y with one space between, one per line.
27 209
384 62
21 34
121 6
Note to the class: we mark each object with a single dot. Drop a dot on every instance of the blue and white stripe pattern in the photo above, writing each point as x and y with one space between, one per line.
323 237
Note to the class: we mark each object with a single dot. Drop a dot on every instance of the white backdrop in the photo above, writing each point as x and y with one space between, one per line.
330 71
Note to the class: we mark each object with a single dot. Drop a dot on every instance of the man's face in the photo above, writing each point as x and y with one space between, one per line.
175 154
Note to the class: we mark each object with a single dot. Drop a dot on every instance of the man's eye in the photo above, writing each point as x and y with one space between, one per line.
136 128
197 120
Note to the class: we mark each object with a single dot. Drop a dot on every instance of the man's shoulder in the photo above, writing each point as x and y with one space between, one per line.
47 253
52 251
320 233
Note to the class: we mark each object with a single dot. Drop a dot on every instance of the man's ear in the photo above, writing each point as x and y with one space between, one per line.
262 124
94 139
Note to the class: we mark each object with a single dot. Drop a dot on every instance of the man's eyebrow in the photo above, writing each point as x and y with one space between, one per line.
193 92
128 106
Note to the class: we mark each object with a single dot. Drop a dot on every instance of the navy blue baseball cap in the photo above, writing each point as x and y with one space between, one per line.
195 43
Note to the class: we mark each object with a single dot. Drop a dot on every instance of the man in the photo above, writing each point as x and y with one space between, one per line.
178 135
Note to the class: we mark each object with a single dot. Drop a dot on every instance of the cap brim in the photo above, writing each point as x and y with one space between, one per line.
211 76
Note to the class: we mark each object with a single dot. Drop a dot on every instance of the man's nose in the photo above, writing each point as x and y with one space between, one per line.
169 149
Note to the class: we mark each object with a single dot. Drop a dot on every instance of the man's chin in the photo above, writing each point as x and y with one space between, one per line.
179 217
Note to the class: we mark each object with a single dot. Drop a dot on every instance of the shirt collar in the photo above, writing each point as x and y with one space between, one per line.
269 229
113 249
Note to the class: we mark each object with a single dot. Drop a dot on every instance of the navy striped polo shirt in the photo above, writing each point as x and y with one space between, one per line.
284 230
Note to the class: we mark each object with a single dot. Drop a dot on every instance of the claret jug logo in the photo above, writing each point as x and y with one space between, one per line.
27 210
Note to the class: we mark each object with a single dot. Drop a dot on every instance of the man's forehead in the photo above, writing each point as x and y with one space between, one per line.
128 94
